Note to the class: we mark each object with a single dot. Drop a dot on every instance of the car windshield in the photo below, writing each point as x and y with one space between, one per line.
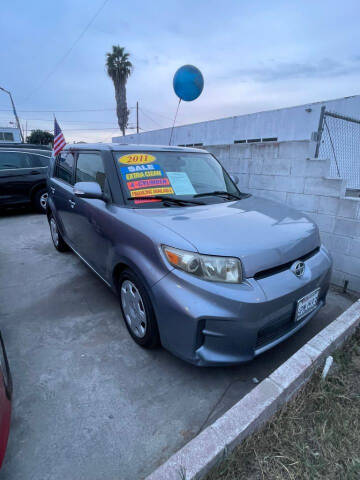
178 175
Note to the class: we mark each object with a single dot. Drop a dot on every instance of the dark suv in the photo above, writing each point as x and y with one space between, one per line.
23 170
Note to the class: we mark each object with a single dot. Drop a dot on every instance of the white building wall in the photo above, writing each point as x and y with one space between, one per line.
286 172
295 123
15 132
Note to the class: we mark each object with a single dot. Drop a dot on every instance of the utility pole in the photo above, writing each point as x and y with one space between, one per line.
15 114
137 117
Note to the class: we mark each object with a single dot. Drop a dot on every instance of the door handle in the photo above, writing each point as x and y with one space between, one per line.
72 204
52 190
34 172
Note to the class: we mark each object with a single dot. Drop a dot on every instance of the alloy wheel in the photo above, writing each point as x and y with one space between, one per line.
43 200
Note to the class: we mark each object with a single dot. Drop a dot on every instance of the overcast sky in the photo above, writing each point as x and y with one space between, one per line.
254 55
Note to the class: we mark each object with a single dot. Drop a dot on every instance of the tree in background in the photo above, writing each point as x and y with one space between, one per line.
40 137
119 69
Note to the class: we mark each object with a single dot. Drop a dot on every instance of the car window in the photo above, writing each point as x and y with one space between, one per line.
179 174
65 167
44 153
39 160
202 173
13 160
90 168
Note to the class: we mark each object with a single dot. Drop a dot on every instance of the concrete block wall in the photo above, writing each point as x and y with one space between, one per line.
287 172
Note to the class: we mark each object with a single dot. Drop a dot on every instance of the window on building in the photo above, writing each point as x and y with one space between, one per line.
8 136
270 139
239 141
254 140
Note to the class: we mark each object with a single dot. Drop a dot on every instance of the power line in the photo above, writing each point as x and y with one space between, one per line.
159 114
151 119
84 122
88 129
67 53
64 111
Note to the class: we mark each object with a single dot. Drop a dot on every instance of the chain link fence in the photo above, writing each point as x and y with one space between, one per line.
338 138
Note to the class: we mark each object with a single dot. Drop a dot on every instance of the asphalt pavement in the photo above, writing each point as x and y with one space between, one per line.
89 404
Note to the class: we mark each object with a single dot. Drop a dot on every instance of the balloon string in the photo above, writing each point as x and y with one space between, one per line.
174 121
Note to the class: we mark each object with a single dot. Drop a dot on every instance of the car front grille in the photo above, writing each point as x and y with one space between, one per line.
285 266
271 334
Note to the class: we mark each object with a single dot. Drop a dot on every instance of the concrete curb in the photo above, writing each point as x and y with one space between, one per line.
197 457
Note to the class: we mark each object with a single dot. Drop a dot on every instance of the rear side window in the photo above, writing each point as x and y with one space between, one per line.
14 160
90 168
65 167
39 160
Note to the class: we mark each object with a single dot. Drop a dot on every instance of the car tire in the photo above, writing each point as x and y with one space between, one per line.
137 310
40 200
56 237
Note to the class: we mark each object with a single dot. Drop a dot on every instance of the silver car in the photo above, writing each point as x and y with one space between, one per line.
214 275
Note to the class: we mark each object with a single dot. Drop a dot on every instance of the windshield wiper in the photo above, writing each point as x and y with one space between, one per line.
220 193
165 198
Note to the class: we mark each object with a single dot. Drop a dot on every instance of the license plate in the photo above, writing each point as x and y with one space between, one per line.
307 304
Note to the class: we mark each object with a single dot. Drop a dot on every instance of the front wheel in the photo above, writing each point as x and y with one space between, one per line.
137 310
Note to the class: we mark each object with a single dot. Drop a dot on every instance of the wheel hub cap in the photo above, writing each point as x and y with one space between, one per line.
54 232
133 308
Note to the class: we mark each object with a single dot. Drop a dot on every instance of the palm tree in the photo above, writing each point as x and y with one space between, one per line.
119 69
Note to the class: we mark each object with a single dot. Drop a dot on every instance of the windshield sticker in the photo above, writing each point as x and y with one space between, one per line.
155 182
141 171
147 200
181 183
144 192
137 159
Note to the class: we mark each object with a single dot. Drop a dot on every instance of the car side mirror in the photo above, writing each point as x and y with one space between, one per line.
88 190
235 179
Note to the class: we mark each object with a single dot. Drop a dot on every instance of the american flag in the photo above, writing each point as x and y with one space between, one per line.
59 140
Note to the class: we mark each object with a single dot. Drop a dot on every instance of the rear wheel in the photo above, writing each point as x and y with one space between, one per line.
57 239
40 200
137 310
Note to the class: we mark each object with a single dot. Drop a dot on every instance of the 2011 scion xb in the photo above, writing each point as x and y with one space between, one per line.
215 275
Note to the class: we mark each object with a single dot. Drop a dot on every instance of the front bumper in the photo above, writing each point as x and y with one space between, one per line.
209 323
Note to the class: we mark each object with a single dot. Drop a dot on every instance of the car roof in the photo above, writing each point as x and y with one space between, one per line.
28 146
117 147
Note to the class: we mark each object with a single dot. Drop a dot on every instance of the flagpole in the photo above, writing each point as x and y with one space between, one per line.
54 133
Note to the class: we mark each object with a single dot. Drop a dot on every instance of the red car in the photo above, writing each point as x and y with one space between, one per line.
5 399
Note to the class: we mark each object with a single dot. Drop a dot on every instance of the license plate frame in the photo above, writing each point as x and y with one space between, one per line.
307 304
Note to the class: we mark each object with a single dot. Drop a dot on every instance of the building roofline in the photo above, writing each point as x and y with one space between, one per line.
242 115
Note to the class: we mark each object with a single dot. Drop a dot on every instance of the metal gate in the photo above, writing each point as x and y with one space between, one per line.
338 138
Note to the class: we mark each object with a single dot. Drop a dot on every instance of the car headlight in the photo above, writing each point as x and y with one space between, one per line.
207 267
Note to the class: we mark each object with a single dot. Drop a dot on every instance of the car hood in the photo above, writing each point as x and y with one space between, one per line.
262 233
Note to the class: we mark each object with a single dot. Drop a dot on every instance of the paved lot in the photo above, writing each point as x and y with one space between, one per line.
89 404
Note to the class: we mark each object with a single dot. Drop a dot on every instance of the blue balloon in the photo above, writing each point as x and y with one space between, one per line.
188 83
